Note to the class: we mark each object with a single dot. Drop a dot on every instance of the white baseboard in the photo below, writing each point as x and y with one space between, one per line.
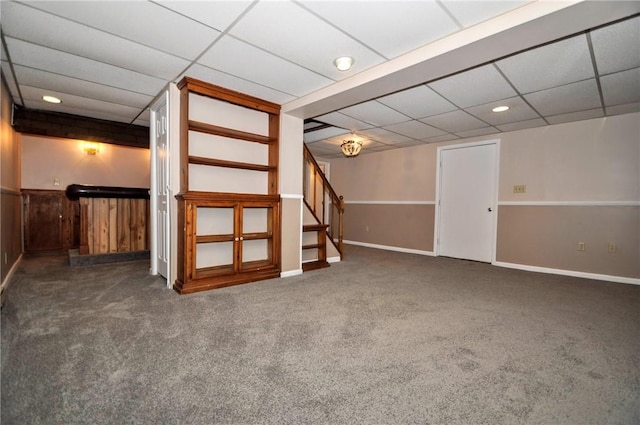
573 273
5 282
291 273
333 260
391 248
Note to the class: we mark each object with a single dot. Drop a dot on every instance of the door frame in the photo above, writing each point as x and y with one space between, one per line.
436 230
162 99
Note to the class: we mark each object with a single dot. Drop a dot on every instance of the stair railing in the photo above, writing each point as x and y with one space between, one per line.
322 200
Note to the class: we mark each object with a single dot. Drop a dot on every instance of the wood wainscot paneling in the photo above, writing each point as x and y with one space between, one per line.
112 220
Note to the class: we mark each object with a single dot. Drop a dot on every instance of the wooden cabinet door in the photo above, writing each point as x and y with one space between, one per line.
43 221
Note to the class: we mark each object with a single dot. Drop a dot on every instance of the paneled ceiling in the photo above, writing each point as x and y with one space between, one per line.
110 59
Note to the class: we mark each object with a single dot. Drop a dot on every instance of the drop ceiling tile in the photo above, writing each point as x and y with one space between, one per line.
418 102
33 99
615 46
38 57
621 88
576 116
573 97
34 26
519 110
537 122
13 87
378 148
344 121
454 122
242 60
479 132
488 85
322 149
384 136
215 14
374 113
623 109
469 13
325 133
144 119
140 21
233 82
414 129
68 85
411 143
312 124
389 27
3 53
552 65
310 41
443 138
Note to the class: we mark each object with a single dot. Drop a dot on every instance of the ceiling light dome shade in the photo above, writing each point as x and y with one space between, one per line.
351 148
343 63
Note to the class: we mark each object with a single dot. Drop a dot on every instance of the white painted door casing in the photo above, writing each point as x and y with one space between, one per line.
468 177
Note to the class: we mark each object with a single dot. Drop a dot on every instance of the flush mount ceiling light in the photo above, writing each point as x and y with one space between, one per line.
343 63
351 148
51 99
500 109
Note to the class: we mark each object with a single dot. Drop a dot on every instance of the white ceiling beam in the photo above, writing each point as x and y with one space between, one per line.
528 26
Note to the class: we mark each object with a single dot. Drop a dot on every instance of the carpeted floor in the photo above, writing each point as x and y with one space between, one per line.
381 338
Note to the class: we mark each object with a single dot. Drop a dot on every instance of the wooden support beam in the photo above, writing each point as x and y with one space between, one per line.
68 126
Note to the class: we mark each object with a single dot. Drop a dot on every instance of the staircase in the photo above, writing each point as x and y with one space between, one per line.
322 229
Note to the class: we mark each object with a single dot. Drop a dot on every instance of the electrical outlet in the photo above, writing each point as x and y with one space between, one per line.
366 228
581 246
56 181
519 188
612 247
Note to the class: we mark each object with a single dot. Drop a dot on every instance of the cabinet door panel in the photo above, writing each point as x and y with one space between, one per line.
43 222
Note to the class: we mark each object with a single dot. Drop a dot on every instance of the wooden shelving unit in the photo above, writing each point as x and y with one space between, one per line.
228 237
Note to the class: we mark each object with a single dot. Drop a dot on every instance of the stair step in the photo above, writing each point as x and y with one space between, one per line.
312 246
313 265
314 227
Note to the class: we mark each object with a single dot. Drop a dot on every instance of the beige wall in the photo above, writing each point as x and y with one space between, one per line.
548 236
10 198
290 174
409 226
45 158
581 165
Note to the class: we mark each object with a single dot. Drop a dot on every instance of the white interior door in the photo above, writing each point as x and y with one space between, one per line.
467 198
160 188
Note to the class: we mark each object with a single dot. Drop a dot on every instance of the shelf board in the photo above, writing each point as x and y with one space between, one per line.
255 236
214 238
228 164
228 132
205 272
257 265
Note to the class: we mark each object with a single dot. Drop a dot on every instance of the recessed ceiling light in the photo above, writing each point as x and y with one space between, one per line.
343 63
500 109
51 99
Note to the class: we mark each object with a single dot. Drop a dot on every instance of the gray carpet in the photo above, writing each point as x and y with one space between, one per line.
381 338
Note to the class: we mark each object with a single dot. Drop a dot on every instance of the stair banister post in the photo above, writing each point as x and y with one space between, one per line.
341 224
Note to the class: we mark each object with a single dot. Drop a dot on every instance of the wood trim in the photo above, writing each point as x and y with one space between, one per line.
231 96
228 132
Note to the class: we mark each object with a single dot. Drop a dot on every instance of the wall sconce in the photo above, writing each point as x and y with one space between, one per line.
91 148
351 148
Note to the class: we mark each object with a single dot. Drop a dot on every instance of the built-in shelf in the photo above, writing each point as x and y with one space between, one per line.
252 255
